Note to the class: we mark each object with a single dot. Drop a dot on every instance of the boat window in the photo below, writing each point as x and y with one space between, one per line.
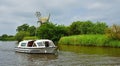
46 44
34 45
23 44
40 44
51 44
30 43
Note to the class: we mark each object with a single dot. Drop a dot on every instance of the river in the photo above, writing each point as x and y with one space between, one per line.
67 56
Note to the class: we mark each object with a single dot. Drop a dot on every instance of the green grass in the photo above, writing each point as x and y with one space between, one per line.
89 40
30 38
114 43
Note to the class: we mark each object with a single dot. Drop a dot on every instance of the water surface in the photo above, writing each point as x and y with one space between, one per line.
67 56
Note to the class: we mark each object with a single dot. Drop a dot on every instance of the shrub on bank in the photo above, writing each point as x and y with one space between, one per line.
113 32
89 40
8 39
30 38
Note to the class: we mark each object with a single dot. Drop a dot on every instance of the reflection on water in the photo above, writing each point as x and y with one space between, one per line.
67 56
91 50
92 56
34 59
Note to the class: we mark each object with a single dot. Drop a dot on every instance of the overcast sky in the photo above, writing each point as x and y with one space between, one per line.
14 13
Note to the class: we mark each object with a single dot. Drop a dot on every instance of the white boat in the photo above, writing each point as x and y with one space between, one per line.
36 46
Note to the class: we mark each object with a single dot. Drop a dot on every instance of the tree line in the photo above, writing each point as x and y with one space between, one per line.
6 37
54 32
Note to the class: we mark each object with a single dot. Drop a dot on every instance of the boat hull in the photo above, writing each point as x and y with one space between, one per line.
37 50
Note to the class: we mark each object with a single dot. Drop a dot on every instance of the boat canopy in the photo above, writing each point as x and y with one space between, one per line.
36 43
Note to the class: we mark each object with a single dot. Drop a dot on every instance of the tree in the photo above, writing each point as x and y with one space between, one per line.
59 31
99 28
75 28
27 28
32 30
81 27
23 27
20 35
87 27
3 37
6 37
113 32
51 31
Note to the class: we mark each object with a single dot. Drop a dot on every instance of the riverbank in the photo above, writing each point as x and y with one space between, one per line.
89 40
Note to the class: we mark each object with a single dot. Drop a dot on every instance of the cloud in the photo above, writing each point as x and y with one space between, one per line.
96 6
14 13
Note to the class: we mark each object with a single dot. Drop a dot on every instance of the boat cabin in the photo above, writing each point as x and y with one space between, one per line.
36 43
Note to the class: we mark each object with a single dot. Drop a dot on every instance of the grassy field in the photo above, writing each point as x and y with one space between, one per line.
89 40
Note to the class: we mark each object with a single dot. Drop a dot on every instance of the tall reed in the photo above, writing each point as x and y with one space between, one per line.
89 40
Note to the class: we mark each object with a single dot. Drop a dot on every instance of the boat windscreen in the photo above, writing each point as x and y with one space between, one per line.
30 44
23 44
40 44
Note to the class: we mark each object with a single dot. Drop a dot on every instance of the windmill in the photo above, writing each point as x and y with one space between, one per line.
42 20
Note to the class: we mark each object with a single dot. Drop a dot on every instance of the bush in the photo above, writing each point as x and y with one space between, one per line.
113 32
20 35
30 38
51 31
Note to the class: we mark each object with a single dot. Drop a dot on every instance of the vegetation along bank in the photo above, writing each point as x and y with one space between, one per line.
89 40
85 33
